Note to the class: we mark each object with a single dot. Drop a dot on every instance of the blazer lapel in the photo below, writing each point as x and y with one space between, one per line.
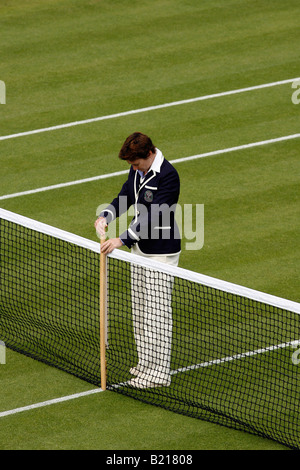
146 180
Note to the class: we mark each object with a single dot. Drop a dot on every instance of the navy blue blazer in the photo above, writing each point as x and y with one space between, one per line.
154 198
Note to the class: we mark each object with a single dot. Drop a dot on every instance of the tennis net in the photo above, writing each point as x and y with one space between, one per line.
176 339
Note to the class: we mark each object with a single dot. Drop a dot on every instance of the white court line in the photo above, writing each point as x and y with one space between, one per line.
292 344
178 160
63 185
173 372
238 356
150 108
49 402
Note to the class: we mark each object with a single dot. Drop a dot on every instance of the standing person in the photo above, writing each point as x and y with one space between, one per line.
152 187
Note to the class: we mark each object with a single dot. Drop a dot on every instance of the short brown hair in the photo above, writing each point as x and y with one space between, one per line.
137 145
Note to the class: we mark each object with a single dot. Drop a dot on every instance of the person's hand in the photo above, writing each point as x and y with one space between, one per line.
100 226
109 245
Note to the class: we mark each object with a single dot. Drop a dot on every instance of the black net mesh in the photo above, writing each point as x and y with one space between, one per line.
172 342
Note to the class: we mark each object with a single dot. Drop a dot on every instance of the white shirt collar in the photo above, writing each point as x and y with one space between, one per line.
157 162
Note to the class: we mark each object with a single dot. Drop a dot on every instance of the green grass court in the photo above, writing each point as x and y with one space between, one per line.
72 60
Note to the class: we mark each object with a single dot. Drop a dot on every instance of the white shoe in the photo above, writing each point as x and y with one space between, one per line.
137 370
147 382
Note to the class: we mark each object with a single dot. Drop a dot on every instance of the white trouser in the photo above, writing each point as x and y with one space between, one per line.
151 293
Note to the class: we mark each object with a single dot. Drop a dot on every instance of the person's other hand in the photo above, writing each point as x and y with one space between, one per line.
109 245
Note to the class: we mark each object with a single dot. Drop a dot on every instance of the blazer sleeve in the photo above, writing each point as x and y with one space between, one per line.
120 204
